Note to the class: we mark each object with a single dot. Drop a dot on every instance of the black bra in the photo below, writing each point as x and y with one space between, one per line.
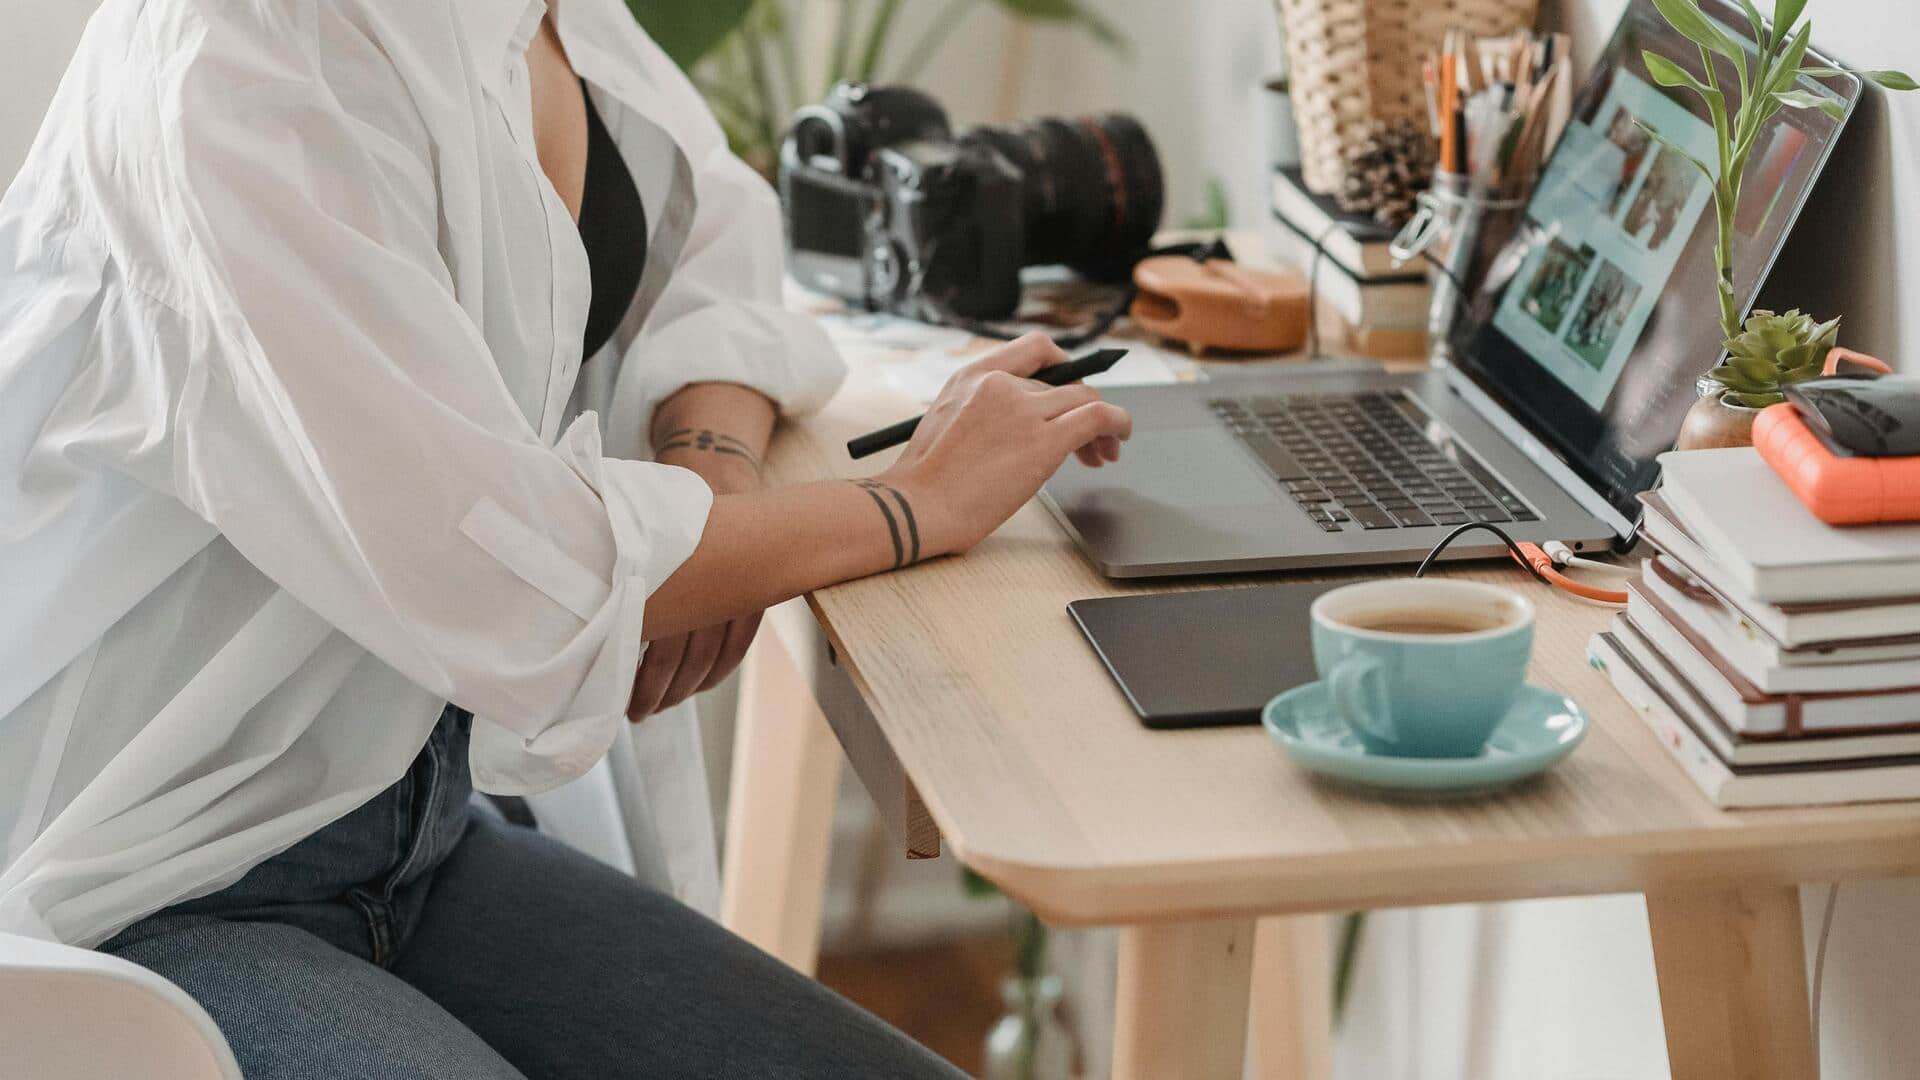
613 227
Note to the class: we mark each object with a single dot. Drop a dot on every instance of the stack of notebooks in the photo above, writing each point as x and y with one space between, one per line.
1777 657
1356 278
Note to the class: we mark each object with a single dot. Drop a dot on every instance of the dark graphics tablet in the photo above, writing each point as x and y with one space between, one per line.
1194 659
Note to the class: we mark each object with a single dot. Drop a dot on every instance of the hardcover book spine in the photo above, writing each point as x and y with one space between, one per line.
1694 757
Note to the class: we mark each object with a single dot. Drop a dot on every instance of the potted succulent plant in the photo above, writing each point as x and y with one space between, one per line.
1771 353
1742 93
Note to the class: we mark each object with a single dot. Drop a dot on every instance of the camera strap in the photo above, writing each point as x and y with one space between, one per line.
1199 251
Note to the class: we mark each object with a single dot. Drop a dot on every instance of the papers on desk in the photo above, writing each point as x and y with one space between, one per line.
918 358
920 375
881 332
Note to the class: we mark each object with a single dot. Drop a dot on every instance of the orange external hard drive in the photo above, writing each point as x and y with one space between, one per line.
1839 490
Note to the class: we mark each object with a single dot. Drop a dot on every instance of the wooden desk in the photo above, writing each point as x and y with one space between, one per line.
1000 722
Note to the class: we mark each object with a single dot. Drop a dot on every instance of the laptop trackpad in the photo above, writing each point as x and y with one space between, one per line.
1187 468
1189 495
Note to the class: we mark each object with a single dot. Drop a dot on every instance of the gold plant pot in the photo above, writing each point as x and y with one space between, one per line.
1714 423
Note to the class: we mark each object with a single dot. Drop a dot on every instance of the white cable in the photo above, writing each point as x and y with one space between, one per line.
1597 566
1563 557
1820 966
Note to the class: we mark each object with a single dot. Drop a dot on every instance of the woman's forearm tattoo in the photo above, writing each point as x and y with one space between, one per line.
900 524
712 442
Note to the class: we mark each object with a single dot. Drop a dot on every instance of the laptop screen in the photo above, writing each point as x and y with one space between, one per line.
1594 324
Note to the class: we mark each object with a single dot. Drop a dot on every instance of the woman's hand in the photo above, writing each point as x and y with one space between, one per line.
993 437
678 667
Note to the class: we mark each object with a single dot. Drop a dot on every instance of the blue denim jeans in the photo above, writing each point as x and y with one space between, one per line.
424 937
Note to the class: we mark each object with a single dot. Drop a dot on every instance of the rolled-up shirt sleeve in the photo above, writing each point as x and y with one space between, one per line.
340 419
721 317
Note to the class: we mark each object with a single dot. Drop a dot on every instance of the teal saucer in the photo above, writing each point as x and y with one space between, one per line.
1541 728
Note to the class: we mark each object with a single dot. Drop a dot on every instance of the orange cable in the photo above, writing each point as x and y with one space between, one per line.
1543 565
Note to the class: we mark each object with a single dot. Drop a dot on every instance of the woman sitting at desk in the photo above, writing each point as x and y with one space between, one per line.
335 340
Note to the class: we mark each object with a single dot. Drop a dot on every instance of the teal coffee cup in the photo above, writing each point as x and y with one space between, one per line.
1422 667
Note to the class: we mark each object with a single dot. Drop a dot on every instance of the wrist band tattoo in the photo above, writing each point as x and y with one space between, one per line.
710 441
906 549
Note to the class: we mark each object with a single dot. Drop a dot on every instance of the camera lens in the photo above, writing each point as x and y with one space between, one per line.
1091 190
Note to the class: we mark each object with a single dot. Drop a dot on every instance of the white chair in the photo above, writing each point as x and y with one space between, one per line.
75 1014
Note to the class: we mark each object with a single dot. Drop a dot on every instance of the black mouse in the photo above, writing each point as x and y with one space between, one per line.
1862 417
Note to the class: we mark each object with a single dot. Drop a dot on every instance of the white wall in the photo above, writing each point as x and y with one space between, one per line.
1189 75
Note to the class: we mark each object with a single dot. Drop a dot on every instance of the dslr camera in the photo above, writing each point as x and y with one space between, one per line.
888 209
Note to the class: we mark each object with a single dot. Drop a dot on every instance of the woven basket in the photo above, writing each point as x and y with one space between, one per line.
1357 62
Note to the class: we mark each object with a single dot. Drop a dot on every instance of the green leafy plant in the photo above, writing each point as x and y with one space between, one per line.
1772 352
1029 934
1029 939
1218 213
1761 85
745 55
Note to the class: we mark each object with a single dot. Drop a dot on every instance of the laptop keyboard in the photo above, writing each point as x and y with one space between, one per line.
1360 461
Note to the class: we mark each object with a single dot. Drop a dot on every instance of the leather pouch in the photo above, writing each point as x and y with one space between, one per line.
1219 304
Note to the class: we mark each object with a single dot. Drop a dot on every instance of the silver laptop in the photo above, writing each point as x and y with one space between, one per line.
1568 370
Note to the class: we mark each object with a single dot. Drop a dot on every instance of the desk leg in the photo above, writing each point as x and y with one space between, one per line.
1733 983
786 766
1290 1034
1182 1009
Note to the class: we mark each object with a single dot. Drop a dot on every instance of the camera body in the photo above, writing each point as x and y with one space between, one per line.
887 209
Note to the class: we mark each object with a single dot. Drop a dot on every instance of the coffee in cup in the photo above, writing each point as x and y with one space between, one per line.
1433 622
1422 667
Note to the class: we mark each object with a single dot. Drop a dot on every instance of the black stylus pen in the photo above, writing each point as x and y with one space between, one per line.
1058 375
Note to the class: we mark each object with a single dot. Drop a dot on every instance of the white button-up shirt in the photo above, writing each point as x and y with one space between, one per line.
295 445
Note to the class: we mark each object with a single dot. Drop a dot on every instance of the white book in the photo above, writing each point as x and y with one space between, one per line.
1772 547
1761 660
1798 625
1748 709
1742 786
1672 580
1735 748
1392 304
1355 241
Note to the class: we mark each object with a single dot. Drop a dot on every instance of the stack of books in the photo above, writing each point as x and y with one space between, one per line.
1380 301
1776 657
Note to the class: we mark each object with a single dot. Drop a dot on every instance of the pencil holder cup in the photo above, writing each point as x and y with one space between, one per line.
1458 230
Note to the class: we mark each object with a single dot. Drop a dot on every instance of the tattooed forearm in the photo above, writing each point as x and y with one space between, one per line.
708 441
900 523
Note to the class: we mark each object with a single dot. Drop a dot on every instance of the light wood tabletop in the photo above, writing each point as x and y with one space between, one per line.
1038 775
990 727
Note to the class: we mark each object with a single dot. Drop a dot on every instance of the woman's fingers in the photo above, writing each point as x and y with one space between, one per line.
1057 400
740 633
657 669
703 646
1089 423
676 668
1023 356
1099 452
